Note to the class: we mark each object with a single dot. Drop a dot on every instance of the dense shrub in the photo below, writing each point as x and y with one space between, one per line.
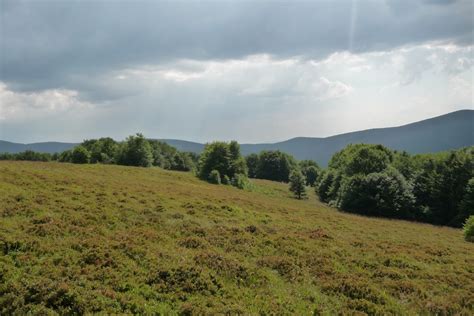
225 180
275 165
469 229
168 157
27 155
328 182
373 180
181 162
380 194
310 170
297 184
252 165
7 156
80 155
241 181
103 150
311 175
135 151
466 206
65 156
222 157
361 158
214 177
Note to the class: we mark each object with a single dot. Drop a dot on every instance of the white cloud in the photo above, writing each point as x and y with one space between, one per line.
258 98
17 106
326 89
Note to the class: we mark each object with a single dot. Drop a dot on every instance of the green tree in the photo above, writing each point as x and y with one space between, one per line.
297 184
425 186
468 229
216 156
65 156
30 155
252 165
164 156
102 150
404 163
275 166
135 151
327 186
7 156
80 155
361 158
303 164
385 194
223 157
466 206
374 180
182 162
237 162
455 171
311 174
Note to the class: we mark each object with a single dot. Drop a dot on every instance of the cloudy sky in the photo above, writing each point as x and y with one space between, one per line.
254 71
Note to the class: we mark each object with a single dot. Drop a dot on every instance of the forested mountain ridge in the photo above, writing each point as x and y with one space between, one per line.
450 131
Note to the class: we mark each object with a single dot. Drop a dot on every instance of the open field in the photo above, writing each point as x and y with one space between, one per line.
91 238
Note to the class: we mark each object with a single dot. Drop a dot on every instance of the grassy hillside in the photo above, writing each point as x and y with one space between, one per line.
133 240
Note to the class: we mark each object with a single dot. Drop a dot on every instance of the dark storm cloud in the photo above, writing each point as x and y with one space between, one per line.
71 44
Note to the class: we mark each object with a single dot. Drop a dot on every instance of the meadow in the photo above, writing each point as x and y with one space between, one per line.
95 238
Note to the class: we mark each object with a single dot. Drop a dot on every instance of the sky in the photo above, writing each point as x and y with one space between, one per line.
253 71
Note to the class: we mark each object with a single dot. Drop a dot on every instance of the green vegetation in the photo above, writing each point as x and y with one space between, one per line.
27 155
366 179
374 180
469 229
297 184
102 150
222 162
311 174
275 166
215 177
110 239
136 150
278 166
80 155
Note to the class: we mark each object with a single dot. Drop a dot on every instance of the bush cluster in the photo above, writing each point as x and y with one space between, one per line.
136 150
374 180
222 163
28 155
278 166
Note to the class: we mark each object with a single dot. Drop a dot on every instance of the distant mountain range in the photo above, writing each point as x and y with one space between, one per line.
450 131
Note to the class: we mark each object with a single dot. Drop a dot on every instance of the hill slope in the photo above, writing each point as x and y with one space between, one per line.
118 239
451 131
45 147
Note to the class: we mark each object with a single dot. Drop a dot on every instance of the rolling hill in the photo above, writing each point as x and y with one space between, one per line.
450 131
44 147
85 239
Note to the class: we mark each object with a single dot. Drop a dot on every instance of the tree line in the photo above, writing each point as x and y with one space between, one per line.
278 166
374 180
136 150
